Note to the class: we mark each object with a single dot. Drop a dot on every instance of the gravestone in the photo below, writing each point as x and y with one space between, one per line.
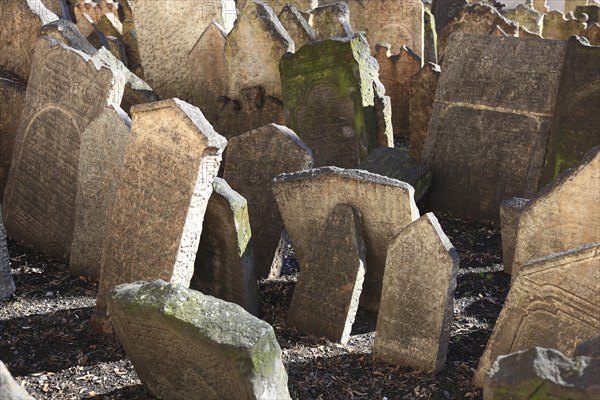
329 90
156 221
527 17
446 10
510 210
132 50
591 10
21 23
225 352
559 27
58 108
563 215
296 26
422 97
58 7
7 284
430 44
554 302
224 266
101 153
571 5
331 21
306 199
417 300
278 5
325 304
491 121
541 5
588 348
592 34
253 160
9 388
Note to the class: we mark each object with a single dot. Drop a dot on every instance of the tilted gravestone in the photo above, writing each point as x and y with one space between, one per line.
325 303
185 345
306 199
554 302
331 21
7 284
296 26
156 221
417 300
252 161
67 90
101 153
422 97
224 266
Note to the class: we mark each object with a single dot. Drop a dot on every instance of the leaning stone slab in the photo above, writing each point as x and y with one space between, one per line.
561 27
59 105
417 300
306 199
183 343
170 163
296 26
331 21
101 153
527 17
253 160
224 266
9 388
328 290
510 210
540 373
554 302
7 284
422 97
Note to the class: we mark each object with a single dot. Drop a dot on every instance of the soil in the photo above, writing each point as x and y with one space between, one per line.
48 345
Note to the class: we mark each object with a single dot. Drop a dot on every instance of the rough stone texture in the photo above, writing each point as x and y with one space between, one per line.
331 21
226 352
329 90
527 17
58 108
591 10
446 10
592 34
132 50
101 153
397 164
475 18
278 5
166 35
576 117
306 199
557 26
554 302
572 5
563 215
12 102
417 300
588 348
208 70
7 284
326 296
541 5
253 160
9 388
296 26
540 373
224 265
491 121
58 7
170 163
430 44
422 97
110 25
509 222
21 23
395 72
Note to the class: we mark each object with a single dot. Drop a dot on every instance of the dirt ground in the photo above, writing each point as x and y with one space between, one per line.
47 342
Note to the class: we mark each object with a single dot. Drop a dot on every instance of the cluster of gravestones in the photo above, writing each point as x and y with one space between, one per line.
500 110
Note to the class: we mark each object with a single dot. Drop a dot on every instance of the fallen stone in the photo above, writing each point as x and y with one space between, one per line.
331 21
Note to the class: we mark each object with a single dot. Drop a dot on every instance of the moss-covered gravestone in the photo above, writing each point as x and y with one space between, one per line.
185 345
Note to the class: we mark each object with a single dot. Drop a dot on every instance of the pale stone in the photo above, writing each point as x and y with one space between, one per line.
224 266
422 96
331 21
527 17
225 352
592 34
253 160
554 302
306 199
101 153
415 314
9 388
7 284
509 222
296 26
326 295
557 26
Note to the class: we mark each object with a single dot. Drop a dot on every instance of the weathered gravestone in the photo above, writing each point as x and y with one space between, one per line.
563 215
330 90
306 199
445 10
571 5
252 161
510 210
185 345
554 302
592 34
557 26
491 121
170 163
58 7
101 153
296 26
21 23
591 10
417 300
430 41
527 17
331 21
9 388
328 290
224 266
67 90
7 284
588 348
422 97
278 5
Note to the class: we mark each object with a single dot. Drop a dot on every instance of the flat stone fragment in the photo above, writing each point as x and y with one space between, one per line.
554 302
170 163
540 373
417 300
9 388
7 284
224 266
226 352
326 296
510 210
253 160
306 199
101 153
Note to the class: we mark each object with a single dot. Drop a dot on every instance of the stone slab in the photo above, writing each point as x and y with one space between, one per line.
510 210
7 284
422 97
